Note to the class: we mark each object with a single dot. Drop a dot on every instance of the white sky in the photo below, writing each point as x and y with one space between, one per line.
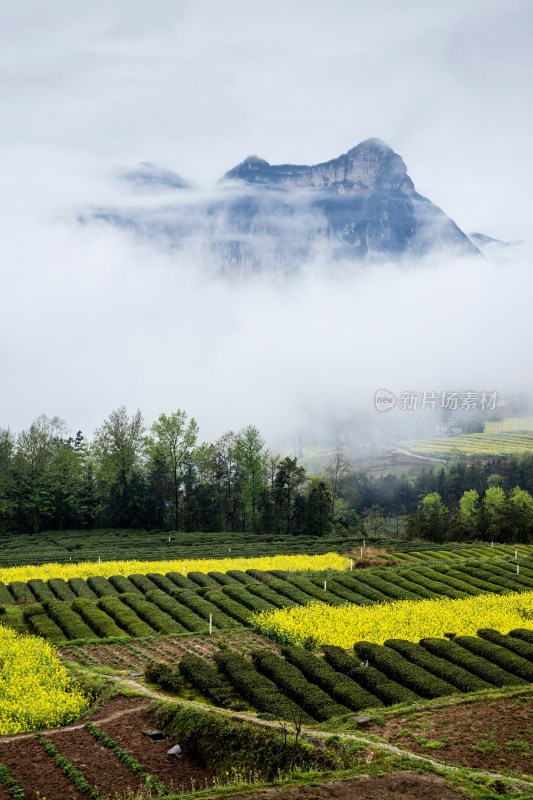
197 86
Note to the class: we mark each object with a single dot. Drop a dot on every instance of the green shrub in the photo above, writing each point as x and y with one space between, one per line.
416 588
290 591
123 584
68 620
404 672
465 573
374 681
294 684
261 575
81 589
516 645
201 579
496 654
460 678
478 666
223 579
361 588
163 675
268 594
5 595
100 622
341 687
204 608
260 691
347 594
61 589
179 612
444 578
526 634
241 576
151 613
42 625
21 592
161 582
388 589
142 583
101 586
41 590
181 581
243 596
230 607
310 588
203 676
125 617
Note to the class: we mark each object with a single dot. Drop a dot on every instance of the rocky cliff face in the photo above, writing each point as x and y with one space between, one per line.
361 206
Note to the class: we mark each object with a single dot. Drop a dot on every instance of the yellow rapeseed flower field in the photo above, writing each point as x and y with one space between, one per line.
295 563
402 619
35 688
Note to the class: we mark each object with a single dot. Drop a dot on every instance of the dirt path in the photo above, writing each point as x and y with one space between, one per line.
320 734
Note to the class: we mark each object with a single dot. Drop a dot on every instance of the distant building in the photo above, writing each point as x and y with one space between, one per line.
449 429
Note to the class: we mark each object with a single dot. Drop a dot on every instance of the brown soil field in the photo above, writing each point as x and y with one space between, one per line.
496 736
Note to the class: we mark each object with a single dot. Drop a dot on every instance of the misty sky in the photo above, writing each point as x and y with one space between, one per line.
91 320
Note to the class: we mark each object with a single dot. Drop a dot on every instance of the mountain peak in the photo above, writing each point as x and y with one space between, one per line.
369 166
147 176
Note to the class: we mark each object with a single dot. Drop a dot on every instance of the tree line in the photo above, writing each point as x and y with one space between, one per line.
129 475
161 477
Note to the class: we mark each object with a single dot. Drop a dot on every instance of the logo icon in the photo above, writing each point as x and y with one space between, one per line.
384 400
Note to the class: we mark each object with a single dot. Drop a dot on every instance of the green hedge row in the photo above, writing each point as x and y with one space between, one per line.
341 687
6 598
41 590
201 579
160 582
261 575
223 579
419 589
405 672
316 593
497 654
290 591
518 646
101 586
68 620
466 574
526 634
230 607
388 589
295 685
81 589
100 622
239 575
348 595
125 617
21 592
204 677
270 595
460 678
204 608
179 612
362 588
258 690
42 625
150 613
142 583
181 581
446 579
163 675
61 589
463 658
374 681
241 595
123 584
430 588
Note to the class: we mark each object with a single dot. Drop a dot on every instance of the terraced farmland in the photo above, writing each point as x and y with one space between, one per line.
474 444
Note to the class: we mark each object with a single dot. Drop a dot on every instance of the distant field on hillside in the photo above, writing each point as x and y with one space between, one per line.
473 444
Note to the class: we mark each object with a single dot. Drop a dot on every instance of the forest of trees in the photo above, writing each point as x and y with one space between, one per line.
129 475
